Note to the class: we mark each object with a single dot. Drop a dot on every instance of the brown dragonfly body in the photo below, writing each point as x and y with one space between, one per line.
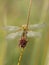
23 40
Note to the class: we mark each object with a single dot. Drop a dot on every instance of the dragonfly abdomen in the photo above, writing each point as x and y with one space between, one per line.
23 43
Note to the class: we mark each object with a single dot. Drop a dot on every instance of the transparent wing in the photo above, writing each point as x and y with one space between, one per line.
18 34
33 34
37 26
11 28
13 35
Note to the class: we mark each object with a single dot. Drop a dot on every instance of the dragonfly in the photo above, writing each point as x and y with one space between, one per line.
23 32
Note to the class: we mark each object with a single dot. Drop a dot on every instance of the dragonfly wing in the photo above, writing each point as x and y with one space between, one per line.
33 34
37 26
11 28
13 35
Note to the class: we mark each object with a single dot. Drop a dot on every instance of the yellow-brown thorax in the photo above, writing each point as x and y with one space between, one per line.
24 27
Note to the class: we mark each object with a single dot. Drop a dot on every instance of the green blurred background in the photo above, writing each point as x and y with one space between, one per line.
14 12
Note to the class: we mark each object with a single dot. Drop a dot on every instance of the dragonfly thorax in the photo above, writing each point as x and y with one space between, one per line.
24 27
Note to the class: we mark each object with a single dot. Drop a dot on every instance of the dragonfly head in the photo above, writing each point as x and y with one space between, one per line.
24 27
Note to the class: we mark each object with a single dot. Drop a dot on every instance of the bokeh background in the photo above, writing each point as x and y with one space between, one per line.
14 12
